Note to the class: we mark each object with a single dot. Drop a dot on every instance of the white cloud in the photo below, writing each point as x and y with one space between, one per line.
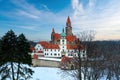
23 5
103 17
77 7
26 14
34 28
75 4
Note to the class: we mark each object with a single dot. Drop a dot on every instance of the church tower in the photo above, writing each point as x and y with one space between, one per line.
68 27
52 35
63 43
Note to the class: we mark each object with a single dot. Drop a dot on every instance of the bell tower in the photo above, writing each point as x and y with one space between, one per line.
68 27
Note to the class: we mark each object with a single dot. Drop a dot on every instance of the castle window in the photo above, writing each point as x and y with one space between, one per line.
51 49
62 40
58 54
55 54
51 53
68 54
83 51
75 55
83 55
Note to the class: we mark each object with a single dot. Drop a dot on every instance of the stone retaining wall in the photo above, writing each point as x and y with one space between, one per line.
45 63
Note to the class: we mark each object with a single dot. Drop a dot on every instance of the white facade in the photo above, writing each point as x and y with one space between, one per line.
63 45
60 50
52 53
38 47
57 53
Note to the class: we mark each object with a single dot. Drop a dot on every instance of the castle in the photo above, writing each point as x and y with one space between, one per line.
63 44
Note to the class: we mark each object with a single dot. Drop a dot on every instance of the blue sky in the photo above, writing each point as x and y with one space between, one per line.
36 18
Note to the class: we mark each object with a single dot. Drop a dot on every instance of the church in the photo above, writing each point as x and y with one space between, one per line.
61 44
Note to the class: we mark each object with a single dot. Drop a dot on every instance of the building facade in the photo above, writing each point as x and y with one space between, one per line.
63 44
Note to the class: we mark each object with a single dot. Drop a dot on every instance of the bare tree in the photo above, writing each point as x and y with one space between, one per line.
84 40
103 59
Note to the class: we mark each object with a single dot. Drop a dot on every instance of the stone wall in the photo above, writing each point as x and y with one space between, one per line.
45 63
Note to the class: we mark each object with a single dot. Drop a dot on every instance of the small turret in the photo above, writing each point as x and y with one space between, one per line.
53 31
52 35
63 34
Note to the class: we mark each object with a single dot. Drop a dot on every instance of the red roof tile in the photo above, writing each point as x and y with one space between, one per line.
75 47
72 47
71 38
57 36
52 46
35 56
40 51
68 20
43 43
66 59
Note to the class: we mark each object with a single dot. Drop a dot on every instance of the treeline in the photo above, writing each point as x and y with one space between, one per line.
101 48
103 61
15 57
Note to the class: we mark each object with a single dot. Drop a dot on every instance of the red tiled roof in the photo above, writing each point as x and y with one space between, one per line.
47 45
52 46
72 47
71 38
68 20
35 56
43 43
57 36
75 47
66 59
40 51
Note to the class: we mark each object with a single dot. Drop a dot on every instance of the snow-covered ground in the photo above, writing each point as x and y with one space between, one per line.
47 73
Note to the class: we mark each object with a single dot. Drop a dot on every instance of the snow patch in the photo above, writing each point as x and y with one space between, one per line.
51 59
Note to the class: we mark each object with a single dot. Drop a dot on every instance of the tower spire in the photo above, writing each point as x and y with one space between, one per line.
68 27
63 30
68 20
53 30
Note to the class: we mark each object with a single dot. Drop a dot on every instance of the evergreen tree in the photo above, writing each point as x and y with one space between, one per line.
13 54
8 52
23 56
